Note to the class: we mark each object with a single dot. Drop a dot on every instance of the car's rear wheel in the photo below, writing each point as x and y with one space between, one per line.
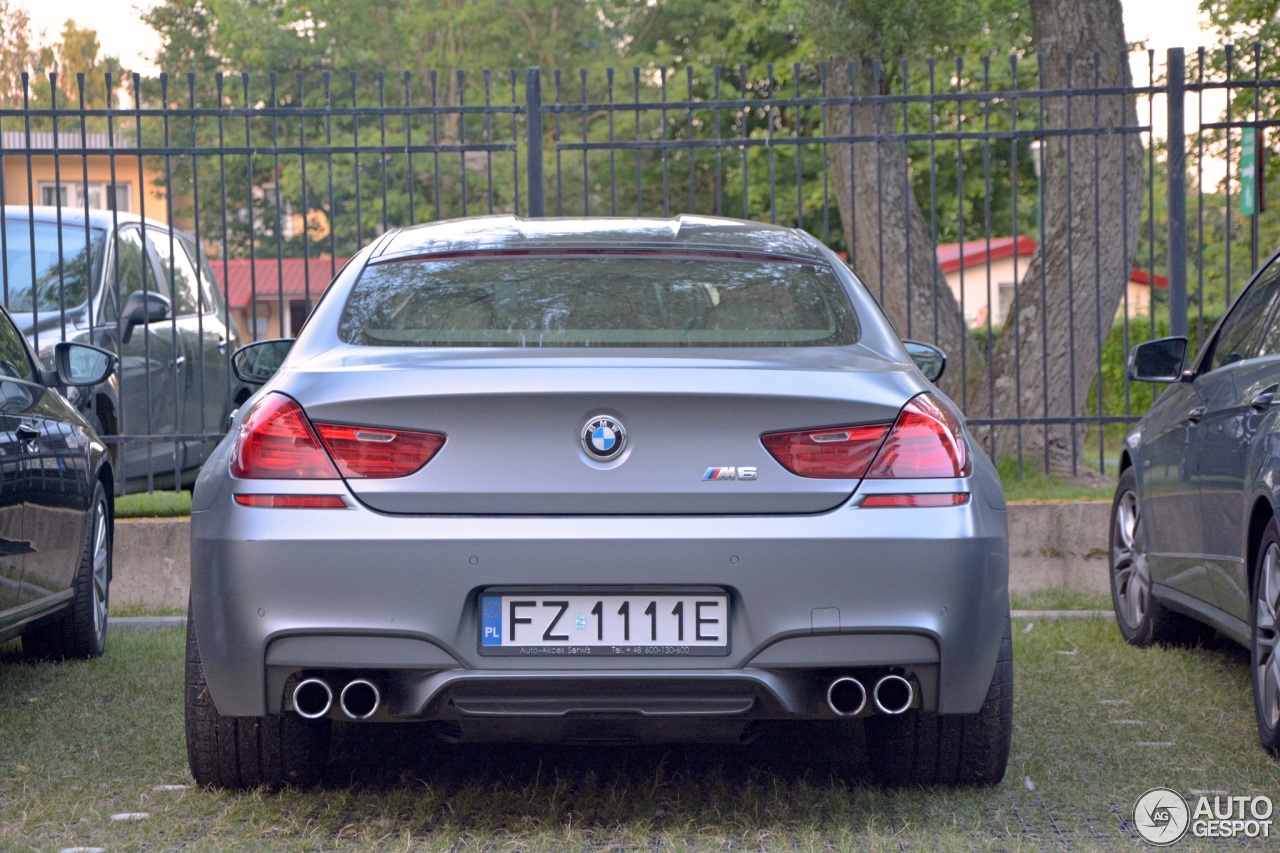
1265 648
80 631
247 752
1142 619
919 748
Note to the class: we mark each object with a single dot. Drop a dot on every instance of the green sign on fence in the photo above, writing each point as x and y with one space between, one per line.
1248 171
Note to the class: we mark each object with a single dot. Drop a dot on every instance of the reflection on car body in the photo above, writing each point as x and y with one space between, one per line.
145 292
55 506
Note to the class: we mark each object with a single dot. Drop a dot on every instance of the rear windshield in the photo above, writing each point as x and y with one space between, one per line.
55 271
598 301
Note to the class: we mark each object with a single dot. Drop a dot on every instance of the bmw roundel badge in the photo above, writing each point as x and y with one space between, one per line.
603 438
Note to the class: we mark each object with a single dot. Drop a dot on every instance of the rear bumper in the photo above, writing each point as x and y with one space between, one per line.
282 593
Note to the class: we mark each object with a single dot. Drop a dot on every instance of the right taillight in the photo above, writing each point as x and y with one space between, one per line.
841 453
926 442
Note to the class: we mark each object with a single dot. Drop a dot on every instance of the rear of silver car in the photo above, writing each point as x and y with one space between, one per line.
663 529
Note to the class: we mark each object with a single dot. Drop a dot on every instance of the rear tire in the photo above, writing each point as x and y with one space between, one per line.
1143 619
80 631
247 752
918 748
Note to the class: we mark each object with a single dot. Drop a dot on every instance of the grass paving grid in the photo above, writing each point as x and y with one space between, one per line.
80 742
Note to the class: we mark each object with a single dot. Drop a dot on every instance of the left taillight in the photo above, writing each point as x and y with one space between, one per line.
276 441
364 452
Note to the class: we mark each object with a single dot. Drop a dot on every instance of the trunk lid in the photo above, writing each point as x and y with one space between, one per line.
515 426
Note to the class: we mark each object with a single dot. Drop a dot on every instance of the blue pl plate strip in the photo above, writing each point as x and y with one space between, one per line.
491 620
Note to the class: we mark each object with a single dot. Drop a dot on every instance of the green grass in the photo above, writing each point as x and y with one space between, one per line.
1051 599
80 742
153 505
1035 485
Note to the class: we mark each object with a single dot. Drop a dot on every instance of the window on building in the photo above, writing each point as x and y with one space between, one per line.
100 195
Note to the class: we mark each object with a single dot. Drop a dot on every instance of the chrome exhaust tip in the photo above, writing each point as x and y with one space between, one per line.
312 698
893 694
360 699
846 696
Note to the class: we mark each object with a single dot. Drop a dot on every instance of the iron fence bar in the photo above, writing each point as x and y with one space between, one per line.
1017 327
355 141
745 120
586 172
1176 168
199 268
461 79
179 345
533 130
146 338
613 152
826 159
556 140
1229 53
435 141
960 235
1097 259
408 144
1258 159
306 202
1200 58
689 128
327 84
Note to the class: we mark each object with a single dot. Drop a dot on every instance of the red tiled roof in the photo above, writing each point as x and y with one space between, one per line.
977 252
264 279
952 259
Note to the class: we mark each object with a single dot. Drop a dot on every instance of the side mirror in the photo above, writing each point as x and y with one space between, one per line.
931 360
140 308
81 364
1160 360
257 362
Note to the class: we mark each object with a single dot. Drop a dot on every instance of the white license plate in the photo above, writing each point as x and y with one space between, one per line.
577 624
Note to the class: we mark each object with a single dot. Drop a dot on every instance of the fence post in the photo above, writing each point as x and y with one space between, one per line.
1176 167
533 127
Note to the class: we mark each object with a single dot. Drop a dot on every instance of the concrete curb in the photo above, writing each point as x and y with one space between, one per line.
1052 546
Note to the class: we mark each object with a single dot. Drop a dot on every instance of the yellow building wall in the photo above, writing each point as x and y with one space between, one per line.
71 170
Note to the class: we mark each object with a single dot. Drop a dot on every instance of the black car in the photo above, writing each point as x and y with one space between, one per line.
55 509
1195 543
141 290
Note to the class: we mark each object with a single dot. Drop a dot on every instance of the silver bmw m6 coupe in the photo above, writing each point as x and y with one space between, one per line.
645 480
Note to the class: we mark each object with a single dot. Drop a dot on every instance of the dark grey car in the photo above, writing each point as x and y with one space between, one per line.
598 479
144 291
1195 545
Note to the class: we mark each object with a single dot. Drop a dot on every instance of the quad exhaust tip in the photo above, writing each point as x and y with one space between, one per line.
360 699
312 698
893 694
846 696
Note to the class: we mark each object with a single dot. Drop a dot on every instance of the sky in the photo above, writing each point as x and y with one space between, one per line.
1162 23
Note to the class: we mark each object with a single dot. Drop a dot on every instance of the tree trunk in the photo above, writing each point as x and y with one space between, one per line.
1047 355
891 248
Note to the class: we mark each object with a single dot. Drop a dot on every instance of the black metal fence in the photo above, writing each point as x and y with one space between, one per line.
935 177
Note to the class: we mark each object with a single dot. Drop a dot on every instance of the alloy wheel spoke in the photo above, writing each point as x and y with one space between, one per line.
1269 690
